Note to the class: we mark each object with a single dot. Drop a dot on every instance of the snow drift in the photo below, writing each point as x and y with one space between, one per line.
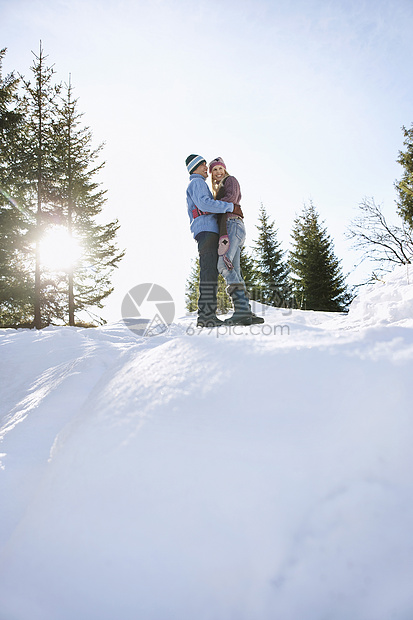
244 474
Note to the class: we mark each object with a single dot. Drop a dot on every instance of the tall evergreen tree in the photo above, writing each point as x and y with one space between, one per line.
9 117
271 270
16 281
249 271
40 170
48 182
81 201
317 281
405 186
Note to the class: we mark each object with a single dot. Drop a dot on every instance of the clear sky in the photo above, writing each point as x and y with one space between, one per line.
303 99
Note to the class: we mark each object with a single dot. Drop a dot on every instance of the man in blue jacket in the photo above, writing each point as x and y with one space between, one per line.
202 211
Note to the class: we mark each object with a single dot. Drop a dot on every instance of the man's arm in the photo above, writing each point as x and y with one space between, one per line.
201 196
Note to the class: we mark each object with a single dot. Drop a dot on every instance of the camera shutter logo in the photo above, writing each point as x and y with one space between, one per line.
148 309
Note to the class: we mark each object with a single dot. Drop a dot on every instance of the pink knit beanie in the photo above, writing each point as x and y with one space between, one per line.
218 161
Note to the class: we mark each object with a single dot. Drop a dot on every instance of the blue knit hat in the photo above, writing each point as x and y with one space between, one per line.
192 162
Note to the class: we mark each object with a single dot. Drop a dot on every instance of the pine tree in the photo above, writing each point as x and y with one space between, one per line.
224 303
16 281
249 271
405 186
9 118
47 174
16 274
271 270
192 287
81 201
39 172
317 281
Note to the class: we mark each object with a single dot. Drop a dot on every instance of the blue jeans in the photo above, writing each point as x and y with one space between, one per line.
237 235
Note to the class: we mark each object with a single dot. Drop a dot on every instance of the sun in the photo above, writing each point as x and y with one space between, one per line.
59 251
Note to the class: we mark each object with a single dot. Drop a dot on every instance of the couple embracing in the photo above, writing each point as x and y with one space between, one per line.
217 225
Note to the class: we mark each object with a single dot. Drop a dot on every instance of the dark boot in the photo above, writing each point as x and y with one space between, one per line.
209 321
255 320
242 311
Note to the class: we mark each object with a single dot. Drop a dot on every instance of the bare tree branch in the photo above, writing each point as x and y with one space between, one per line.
380 241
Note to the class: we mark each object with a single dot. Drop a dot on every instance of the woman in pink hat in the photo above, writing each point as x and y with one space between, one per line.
232 236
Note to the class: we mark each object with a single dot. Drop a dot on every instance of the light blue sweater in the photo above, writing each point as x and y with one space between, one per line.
198 196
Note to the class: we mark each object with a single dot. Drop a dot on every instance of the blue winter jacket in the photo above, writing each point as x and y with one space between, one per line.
199 199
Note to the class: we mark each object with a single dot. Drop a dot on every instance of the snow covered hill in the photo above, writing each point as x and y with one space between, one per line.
257 473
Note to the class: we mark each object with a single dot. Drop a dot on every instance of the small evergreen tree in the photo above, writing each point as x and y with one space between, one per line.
192 287
271 270
224 303
405 186
317 281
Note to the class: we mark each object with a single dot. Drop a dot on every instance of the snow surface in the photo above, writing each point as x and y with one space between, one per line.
254 474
